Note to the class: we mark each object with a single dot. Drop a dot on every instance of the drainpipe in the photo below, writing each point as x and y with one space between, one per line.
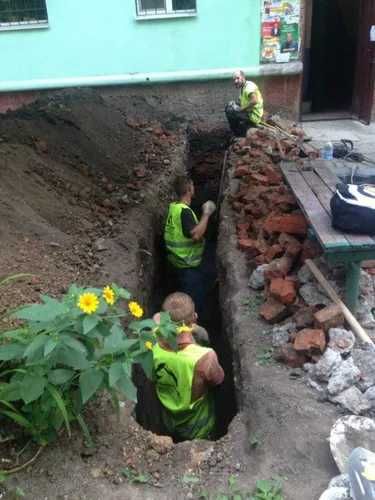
283 69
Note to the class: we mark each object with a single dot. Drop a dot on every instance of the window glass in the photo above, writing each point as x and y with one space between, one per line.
152 4
184 4
23 11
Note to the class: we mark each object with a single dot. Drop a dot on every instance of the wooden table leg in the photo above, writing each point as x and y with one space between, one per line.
353 274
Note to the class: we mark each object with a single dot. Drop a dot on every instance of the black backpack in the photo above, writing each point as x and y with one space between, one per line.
353 208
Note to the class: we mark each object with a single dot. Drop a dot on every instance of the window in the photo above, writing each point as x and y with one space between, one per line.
151 8
18 14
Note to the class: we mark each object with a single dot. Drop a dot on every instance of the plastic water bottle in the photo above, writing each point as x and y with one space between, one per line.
327 151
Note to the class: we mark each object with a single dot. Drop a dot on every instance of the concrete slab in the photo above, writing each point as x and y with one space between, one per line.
363 136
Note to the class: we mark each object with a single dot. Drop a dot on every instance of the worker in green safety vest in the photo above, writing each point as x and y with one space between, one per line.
248 111
184 378
184 242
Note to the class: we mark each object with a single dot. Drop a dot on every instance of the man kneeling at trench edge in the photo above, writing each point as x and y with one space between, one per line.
184 378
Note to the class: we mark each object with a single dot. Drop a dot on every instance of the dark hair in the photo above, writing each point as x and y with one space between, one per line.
182 184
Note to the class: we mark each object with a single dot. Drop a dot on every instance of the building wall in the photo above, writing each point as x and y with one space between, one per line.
194 102
96 38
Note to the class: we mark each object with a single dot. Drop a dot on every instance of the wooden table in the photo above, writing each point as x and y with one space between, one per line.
313 186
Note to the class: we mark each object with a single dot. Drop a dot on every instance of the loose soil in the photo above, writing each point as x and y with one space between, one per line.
84 185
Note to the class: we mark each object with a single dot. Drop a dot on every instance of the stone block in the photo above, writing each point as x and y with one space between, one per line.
329 317
329 362
286 223
273 311
279 268
288 355
283 290
308 339
353 400
343 377
341 340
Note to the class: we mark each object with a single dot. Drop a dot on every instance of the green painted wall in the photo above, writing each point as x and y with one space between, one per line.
95 38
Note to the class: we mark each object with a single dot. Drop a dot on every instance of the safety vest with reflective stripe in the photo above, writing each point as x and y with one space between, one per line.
173 375
255 112
182 252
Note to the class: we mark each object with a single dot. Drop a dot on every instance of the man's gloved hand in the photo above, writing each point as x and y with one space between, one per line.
208 208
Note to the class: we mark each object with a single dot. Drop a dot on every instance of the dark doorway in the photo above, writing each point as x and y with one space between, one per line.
331 56
364 87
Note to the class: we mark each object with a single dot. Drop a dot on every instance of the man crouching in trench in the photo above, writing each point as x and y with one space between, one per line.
184 378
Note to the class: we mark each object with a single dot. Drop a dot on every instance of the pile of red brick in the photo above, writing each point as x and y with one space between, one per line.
272 230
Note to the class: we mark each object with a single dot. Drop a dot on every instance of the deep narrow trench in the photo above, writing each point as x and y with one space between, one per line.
204 165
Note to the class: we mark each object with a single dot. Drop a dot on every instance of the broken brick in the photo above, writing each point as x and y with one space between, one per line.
272 175
329 317
310 338
279 268
310 250
272 252
286 223
273 311
249 246
241 171
261 179
290 244
237 206
283 290
288 355
304 317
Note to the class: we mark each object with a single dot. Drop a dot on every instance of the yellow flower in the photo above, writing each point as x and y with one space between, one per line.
148 345
184 329
88 302
109 295
135 309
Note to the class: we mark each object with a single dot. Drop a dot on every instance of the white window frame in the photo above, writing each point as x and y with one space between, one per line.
167 13
25 25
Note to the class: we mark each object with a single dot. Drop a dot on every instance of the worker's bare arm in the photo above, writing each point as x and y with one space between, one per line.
200 229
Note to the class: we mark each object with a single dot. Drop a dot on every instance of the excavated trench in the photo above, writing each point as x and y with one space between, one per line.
204 161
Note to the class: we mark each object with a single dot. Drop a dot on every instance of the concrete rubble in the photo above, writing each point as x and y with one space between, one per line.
347 433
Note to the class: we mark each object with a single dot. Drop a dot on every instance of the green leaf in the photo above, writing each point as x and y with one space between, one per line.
10 392
115 341
60 404
35 346
11 351
145 324
120 292
89 323
126 386
74 344
116 371
85 430
146 360
17 418
89 382
50 346
32 387
73 359
60 376
42 312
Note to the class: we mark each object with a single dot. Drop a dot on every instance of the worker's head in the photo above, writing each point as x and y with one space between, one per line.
239 78
183 186
181 308
289 37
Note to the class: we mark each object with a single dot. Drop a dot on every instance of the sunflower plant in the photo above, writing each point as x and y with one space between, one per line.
66 351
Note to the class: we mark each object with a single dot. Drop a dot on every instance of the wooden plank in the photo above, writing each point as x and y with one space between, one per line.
315 213
326 174
330 180
324 195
